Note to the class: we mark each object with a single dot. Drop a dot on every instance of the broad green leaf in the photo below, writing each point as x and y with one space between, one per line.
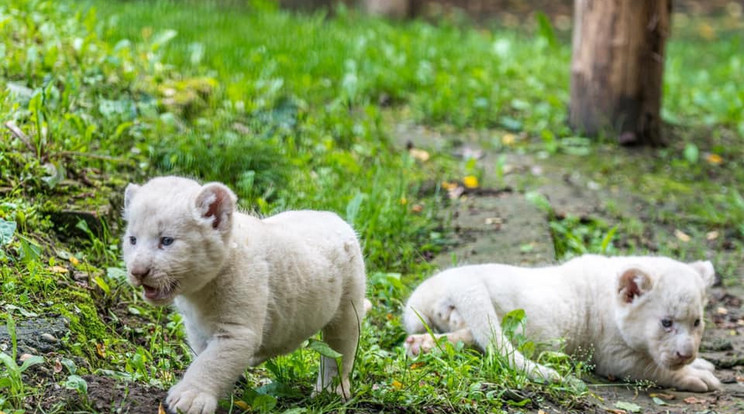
7 229
9 362
77 383
116 273
630 407
34 360
263 403
692 154
658 401
323 349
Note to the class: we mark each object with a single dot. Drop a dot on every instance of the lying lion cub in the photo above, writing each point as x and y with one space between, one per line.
248 289
641 317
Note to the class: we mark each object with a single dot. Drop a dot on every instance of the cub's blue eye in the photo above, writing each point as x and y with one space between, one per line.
667 323
132 240
697 322
166 241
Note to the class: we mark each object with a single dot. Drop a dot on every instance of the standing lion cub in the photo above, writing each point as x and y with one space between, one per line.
248 289
640 317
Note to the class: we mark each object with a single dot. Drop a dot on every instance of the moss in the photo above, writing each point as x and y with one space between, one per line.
86 328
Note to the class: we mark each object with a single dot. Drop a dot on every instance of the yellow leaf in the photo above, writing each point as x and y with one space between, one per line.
397 384
58 269
74 260
707 31
161 410
242 405
419 154
403 201
714 159
508 139
101 350
681 236
448 185
470 181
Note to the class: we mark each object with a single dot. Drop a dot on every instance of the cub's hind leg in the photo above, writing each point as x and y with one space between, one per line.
342 335
473 304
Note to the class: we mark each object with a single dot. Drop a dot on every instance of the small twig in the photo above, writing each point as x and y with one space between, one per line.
20 135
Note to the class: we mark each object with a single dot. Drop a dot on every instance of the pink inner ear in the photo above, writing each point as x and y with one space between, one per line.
629 286
213 209
631 291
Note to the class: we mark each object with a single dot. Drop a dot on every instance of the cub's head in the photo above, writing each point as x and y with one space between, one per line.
659 308
177 235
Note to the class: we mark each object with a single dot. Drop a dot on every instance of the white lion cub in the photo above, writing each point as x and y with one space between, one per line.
248 289
641 317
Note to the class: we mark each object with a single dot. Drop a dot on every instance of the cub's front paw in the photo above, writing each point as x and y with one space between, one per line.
698 380
417 344
189 399
700 363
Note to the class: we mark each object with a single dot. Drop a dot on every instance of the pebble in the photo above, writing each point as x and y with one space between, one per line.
47 337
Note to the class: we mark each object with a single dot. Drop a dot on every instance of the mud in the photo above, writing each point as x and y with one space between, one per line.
35 336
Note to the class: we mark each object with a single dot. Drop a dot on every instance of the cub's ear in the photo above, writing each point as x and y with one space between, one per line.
706 271
216 203
632 284
129 193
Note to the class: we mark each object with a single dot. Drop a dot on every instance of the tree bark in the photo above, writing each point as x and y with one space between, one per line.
617 68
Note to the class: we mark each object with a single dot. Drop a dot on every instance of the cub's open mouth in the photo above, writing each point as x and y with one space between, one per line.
160 292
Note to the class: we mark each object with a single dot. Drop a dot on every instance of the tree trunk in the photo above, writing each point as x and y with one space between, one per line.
617 68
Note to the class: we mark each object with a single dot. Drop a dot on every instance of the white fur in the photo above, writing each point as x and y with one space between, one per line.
248 289
612 307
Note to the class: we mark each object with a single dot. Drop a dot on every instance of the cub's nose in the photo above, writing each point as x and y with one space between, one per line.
139 273
684 356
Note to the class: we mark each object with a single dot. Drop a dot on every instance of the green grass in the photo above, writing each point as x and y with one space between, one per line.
298 111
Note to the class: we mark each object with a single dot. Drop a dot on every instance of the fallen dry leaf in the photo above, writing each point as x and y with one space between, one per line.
24 357
57 366
455 192
74 260
242 405
419 154
616 411
681 236
714 159
58 269
508 139
707 31
712 235
721 310
449 185
397 384
101 350
417 208
694 400
161 410
664 396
